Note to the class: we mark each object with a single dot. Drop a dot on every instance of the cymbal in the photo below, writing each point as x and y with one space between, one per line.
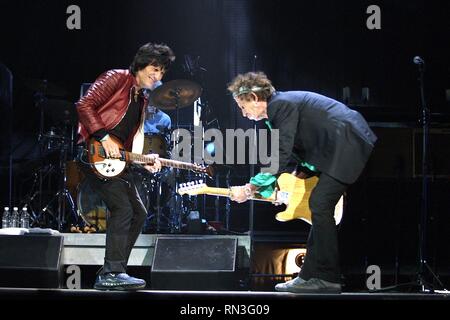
60 111
166 96
46 87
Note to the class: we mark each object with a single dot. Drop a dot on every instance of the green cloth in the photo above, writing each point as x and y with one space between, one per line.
268 124
309 166
265 182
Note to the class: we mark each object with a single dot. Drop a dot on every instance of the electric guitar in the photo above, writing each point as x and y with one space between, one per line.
291 191
107 167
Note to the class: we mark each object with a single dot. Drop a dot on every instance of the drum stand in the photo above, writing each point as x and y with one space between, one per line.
175 95
62 195
157 215
36 192
158 204
178 208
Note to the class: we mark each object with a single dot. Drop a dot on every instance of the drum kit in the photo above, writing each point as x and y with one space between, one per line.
79 208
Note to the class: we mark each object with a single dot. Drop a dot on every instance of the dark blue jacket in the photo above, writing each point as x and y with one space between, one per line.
322 132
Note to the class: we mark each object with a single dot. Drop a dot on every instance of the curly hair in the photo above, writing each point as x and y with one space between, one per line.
243 85
159 55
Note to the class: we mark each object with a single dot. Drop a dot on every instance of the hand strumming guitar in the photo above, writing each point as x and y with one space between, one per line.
111 147
301 174
112 151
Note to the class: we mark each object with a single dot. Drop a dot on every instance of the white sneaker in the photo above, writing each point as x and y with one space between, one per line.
313 285
286 286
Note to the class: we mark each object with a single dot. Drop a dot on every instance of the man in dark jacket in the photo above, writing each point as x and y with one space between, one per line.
114 107
327 139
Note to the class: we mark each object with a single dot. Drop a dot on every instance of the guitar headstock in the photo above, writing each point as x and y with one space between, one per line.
193 188
208 170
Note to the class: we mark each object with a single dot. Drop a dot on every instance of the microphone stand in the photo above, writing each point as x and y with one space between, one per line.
420 282
424 287
252 165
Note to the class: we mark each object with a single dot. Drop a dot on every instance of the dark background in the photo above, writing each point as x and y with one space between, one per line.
321 46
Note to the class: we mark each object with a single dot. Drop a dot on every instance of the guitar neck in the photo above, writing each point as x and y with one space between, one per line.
165 162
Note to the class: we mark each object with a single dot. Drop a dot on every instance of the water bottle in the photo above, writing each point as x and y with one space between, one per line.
5 218
25 218
14 220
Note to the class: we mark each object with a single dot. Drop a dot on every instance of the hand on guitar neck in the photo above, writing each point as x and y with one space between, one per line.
242 193
156 165
291 191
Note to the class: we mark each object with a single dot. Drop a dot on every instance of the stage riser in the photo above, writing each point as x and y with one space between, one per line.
89 249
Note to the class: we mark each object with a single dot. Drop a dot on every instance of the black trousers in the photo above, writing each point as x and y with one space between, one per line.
126 216
322 252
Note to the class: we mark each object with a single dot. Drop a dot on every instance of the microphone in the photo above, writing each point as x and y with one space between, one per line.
418 60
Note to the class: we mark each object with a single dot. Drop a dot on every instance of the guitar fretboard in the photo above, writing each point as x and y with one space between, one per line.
224 192
165 162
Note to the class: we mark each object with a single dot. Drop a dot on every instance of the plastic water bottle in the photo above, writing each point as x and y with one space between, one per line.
25 218
14 220
5 218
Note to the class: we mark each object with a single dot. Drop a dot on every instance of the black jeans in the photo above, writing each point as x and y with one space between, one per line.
322 252
126 216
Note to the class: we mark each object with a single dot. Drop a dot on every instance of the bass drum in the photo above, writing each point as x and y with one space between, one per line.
91 208
155 143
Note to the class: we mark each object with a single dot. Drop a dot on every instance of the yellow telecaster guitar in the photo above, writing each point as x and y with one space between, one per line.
292 191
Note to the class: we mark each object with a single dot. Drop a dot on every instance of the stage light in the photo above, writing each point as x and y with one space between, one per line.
294 260
211 149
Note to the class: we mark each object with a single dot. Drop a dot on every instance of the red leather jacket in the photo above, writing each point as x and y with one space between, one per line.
106 103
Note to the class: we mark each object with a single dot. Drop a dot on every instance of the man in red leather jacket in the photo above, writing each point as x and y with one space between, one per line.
114 106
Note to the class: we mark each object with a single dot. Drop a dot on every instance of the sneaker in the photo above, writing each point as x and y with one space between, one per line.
118 281
284 287
314 285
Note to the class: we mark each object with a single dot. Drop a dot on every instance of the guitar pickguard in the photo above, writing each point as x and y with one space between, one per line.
109 168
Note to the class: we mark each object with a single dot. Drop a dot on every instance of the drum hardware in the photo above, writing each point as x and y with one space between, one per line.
91 209
56 133
63 196
175 94
35 194
45 87
60 136
159 199
155 143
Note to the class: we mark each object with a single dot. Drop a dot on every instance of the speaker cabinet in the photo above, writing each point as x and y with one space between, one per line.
31 261
194 263
398 153
438 152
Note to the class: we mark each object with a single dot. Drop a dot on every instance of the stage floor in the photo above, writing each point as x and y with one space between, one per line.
210 295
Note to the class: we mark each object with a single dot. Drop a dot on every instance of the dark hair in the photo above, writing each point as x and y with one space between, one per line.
243 85
158 55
